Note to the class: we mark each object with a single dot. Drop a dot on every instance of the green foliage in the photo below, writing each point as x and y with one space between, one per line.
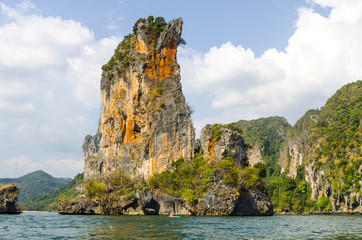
136 24
159 91
162 105
294 195
115 185
49 201
189 195
188 179
158 26
323 204
175 182
262 169
35 184
251 178
178 163
95 189
268 133
334 136
290 195
110 75
121 54
231 173
191 179
216 130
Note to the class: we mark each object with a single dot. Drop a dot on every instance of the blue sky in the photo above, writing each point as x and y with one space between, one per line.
244 59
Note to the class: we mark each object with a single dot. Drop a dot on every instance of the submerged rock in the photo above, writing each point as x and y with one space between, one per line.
9 199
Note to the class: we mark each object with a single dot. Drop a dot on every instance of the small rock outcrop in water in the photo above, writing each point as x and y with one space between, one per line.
145 122
9 199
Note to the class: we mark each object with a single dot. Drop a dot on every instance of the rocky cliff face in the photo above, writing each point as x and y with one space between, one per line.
145 128
220 201
145 122
327 144
218 142
9 199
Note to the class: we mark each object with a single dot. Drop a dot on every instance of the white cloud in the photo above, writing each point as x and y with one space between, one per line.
84 71
322 55
32 41
19 166
50 69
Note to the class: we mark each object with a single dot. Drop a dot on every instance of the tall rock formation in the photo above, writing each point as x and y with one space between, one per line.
145 126
145 122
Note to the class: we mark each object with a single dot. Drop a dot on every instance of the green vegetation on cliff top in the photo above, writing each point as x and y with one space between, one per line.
154 27
269 134
334 138
186 179
332 144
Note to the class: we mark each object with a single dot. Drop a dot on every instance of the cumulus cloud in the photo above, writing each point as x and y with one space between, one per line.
50 70
19 166
322 55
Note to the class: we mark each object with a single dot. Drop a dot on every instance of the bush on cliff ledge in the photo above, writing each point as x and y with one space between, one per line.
189 180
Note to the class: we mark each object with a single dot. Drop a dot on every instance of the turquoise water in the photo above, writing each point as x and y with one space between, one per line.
42 225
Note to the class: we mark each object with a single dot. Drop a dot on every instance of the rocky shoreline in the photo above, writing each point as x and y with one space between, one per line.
243 203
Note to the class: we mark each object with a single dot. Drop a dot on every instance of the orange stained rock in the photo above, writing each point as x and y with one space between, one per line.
129 136
152 166
211 148
164 140
163 64
115 112
119 91
141 46
171 155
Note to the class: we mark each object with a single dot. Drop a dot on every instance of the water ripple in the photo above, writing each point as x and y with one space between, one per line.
41 226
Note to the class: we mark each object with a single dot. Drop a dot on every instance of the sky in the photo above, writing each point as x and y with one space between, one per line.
244 59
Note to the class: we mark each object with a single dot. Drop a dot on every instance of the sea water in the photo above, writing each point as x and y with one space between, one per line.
44 225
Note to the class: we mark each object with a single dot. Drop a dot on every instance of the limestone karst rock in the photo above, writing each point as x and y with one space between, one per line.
145 122
326 144
145 126
218 142
9 199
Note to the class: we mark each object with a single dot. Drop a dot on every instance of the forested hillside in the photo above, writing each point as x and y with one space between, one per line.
315 165
268 133
34 184
49 201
